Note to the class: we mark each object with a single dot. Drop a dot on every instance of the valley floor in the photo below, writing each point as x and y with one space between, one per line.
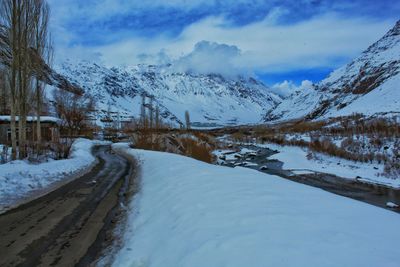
189 213
300 160
296 159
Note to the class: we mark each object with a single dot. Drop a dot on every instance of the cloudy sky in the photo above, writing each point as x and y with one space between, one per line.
276 40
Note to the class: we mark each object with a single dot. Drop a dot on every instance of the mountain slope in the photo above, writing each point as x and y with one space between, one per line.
211 100
368 85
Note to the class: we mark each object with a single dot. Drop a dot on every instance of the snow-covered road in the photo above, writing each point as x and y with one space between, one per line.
20 181
71 225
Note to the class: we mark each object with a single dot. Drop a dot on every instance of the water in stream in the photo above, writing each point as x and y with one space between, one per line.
370 193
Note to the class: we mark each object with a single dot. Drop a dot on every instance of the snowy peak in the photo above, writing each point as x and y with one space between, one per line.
367 85
212 100
395 31
376 64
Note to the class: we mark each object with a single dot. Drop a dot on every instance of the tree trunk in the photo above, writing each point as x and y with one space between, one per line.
13 78
38 111
13 132
21 140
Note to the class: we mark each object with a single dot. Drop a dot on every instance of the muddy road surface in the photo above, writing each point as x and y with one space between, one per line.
72 225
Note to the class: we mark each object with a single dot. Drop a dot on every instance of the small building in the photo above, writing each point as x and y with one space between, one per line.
49 126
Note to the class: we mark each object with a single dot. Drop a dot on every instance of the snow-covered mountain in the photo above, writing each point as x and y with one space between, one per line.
210 99
370 85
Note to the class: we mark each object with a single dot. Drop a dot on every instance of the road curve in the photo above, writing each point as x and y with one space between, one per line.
72 225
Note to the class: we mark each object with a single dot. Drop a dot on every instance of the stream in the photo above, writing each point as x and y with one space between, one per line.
374 194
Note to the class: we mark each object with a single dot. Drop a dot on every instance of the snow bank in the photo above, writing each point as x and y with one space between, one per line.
20 180
189 213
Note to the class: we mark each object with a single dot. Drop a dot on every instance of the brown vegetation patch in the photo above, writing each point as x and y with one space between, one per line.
192 144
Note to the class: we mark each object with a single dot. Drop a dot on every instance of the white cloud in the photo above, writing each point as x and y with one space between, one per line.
318 42
208 57
321 42
79 52
161 58
286 88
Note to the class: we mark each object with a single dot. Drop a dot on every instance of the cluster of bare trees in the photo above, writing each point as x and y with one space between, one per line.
149 115
73 110
24 39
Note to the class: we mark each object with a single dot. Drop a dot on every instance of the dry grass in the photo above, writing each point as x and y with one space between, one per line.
392 169
196 145
355 130
392 166
196 150
352 125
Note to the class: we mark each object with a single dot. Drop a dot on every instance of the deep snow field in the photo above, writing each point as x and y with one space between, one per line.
189 213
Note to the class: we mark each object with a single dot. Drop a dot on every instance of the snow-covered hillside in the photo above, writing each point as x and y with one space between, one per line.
370 84
211 100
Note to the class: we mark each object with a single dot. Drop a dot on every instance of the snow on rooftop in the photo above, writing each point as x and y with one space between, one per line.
31 118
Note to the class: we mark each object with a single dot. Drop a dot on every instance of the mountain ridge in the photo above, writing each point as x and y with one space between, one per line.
366 85
212 100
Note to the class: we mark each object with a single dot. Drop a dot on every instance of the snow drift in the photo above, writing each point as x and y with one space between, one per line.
189 213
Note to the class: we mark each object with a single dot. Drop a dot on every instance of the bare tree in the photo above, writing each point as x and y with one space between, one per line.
74 110
151 114
42 44
187 120
20 20
25 36
157 122
10 13
143 118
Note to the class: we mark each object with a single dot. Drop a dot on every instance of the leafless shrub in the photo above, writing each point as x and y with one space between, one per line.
392 169
4 154
197 150
62 150
299 142
392 166
198 145
280 140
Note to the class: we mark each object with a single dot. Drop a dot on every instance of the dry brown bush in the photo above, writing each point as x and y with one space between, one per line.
62 149
196 150
200 146
280 140
239 136
307 126
392 168
206 138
